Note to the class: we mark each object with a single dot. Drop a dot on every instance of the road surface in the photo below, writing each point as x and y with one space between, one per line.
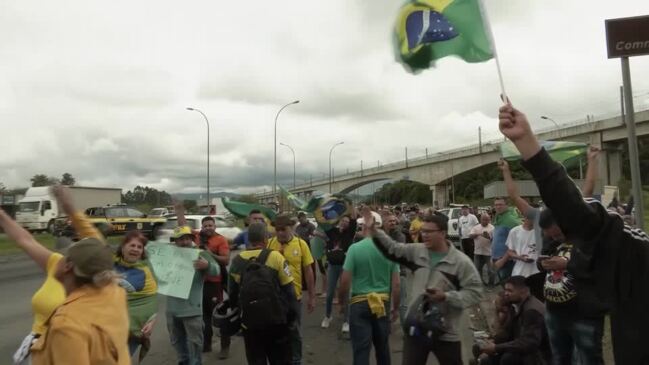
19 279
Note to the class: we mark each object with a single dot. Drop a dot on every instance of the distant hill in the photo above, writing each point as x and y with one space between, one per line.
199 196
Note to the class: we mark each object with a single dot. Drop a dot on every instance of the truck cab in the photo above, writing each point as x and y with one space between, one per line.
37 210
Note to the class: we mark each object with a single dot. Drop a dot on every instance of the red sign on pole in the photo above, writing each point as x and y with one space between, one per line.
627 36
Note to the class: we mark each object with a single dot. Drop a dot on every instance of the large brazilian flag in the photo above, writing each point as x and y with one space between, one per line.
428 30
565 152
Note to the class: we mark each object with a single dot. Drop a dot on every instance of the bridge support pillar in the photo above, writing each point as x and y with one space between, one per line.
440 198
612 171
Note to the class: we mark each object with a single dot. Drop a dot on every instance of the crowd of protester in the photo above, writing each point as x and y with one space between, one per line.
555 272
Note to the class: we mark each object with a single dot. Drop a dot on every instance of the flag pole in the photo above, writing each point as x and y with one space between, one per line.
490 34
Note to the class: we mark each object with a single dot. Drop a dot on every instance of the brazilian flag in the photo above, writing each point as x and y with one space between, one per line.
565 152
428 30
243 209
327 209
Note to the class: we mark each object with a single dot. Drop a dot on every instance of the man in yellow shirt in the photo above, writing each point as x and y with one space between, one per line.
299 258
271 343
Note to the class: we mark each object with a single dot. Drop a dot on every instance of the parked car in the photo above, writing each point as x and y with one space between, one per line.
160 212
224 227
114 220
453 213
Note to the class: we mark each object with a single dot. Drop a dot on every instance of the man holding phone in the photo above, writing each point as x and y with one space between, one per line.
482 234
574 315
522 248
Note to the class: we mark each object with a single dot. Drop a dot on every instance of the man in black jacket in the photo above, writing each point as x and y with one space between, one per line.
573 315
339 240
613 255
528 340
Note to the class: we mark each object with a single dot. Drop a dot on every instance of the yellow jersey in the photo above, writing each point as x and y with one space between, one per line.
298 255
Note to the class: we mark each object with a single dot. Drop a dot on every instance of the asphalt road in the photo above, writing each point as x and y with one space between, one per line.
19 279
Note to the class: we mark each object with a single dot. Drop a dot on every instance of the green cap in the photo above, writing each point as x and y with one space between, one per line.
90 256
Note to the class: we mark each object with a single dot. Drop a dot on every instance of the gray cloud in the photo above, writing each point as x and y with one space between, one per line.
100 92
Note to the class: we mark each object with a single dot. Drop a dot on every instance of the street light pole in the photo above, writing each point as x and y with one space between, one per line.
291 148
207 122
275 147
550 119
330 151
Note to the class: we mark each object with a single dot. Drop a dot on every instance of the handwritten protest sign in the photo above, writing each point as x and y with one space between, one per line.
173 268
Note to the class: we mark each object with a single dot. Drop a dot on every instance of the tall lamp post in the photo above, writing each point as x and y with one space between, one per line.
550 119
330 174
291 148
275 147
207 122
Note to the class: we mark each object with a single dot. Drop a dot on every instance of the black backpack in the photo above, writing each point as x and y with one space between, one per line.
261 302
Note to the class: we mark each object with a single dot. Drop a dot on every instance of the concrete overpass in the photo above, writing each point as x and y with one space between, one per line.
437 170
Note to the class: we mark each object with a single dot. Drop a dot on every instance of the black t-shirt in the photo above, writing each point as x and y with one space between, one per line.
559 289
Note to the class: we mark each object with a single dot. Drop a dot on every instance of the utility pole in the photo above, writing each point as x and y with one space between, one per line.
622 104
406 157
480 139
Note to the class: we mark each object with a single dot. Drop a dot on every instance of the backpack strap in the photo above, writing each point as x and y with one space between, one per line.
263 256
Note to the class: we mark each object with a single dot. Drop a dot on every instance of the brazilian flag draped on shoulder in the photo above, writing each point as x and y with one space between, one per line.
428 30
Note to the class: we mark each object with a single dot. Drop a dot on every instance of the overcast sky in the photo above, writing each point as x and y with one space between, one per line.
99 90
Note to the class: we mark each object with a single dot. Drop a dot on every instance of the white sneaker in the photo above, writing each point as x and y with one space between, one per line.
345 327
326 322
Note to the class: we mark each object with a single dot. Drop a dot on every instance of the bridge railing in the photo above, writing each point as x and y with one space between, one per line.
466 150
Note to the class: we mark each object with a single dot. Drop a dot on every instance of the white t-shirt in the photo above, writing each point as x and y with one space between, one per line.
465 223
524 243
482 245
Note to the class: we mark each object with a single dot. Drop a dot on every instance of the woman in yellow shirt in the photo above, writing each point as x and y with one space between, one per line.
51 294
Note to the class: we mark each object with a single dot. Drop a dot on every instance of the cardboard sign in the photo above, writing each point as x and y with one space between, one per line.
173 268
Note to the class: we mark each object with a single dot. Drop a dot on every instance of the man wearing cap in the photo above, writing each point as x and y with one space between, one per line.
297 254
81 330
185 316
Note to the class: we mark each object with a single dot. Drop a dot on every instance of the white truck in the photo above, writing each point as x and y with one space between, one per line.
39 208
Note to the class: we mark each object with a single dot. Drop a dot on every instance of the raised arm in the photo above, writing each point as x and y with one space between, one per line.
591 172
39 253
512 189
179 208
576 218
80 222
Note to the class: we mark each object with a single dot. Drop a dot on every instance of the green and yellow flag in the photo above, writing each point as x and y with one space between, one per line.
428 30
563 152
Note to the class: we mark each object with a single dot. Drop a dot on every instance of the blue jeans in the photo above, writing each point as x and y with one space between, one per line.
366 329
295 336
568 334
505 272
133 345
333 273
186 335
480 261
403 298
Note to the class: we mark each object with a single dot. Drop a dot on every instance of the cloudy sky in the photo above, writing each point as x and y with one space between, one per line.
99 89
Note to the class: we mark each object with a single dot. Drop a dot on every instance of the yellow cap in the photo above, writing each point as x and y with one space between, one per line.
182 231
